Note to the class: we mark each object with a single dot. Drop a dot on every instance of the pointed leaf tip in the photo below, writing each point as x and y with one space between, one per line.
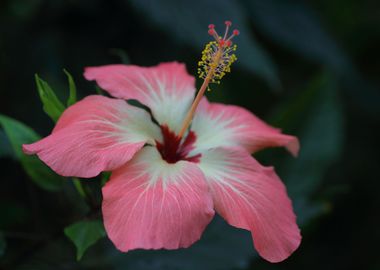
84 234
52 106
72 89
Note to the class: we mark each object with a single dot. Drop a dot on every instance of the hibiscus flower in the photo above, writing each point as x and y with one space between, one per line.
168 179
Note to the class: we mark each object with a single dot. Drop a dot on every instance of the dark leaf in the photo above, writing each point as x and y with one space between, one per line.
5 146
84 234
19 134
321 137
293 25
105 176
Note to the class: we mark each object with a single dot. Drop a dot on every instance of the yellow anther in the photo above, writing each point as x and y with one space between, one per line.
216 61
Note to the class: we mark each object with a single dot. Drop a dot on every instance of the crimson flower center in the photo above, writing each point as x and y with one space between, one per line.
173 149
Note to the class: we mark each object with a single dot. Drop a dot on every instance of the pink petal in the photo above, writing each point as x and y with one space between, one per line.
231 126
252 197
151 204
167 89
96 134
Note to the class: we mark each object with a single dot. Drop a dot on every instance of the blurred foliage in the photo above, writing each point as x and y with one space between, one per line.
5 146
19 134
84 234
310 67
295 26
322 139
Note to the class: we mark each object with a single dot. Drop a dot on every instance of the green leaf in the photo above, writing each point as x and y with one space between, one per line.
3 244
105 176
19 134
5 146
324 125
84 234
321 135
99 91
51 104
78 186
187 21
72 88
293 25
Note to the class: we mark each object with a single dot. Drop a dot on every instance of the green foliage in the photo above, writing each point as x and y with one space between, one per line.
321 136
294 26
52 106
325 125
19 134
5 146
99 91
105 176
72 88
84 234
78 186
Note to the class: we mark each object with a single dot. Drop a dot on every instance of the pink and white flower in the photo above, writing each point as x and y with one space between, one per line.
163 190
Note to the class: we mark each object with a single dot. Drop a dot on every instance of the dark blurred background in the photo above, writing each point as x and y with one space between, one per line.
309 67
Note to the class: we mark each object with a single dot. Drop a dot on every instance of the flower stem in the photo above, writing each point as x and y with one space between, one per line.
79 187
86 193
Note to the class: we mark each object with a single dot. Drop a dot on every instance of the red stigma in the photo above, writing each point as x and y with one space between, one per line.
223 40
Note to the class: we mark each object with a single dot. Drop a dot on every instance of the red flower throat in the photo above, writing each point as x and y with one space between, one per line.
172 150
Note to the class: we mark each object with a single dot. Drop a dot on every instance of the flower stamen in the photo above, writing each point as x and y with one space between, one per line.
216 61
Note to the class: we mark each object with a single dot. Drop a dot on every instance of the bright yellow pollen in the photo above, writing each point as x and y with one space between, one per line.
216 61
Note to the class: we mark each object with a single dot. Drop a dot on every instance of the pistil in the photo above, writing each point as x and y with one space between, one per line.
198 98
216 60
